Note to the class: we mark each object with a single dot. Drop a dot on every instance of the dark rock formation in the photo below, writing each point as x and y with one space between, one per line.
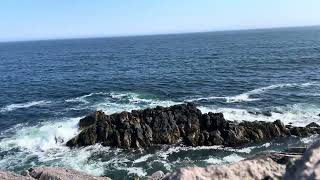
169 125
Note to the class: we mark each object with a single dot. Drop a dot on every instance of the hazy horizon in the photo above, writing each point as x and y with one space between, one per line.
158 34
46 20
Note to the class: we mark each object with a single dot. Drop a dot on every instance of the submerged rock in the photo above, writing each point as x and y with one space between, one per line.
169 125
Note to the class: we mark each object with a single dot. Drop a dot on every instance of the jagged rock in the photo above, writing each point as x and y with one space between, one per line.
91 119
308 167
169 125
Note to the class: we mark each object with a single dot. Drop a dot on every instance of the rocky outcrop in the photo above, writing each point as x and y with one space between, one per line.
308 167
50 173
169 125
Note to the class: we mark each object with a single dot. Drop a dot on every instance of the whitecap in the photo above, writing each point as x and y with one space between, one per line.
83 99
245 97
13 107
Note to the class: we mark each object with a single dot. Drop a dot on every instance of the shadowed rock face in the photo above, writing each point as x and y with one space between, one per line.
144 128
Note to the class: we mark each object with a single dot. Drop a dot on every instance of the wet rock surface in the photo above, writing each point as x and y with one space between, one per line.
169 125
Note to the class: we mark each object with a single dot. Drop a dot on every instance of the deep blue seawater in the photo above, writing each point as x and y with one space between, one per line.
47 86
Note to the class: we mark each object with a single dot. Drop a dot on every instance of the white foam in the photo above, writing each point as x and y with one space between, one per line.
142 159
213 160
233 158
42 137
139 171
134 101
13 107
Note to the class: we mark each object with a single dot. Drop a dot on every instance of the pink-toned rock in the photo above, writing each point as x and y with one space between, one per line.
54 173
5 175
50 173
260 168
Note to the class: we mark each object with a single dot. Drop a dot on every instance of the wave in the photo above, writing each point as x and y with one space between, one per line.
245 97
13 107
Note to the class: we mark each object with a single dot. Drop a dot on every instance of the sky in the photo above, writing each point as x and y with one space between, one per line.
55 19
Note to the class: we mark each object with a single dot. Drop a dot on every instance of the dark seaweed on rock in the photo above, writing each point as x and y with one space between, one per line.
169 125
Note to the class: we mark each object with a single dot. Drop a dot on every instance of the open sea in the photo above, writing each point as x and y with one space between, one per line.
47 86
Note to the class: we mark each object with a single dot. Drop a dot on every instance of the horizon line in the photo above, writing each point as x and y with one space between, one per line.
152 34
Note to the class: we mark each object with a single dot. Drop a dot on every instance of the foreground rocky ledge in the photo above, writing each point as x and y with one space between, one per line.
148 127
286 166
296 164
49 173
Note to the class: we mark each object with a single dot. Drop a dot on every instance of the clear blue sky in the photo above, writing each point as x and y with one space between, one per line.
47 19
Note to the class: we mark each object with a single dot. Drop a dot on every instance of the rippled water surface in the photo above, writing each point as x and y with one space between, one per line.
47 86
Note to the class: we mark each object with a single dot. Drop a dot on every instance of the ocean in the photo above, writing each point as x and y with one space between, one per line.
47 86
